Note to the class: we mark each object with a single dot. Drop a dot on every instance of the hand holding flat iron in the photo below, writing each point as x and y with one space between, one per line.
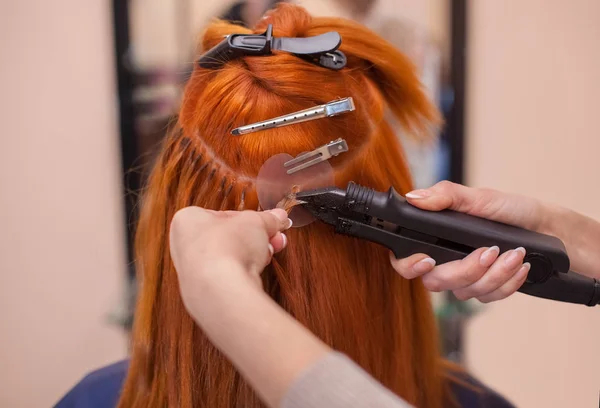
486 274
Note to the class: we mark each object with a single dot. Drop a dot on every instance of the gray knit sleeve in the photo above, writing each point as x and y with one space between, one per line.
336 381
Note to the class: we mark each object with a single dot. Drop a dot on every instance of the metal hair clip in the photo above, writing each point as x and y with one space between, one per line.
316 156
322 111
321 49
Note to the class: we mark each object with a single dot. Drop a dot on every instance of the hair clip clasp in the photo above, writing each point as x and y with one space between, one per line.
321 49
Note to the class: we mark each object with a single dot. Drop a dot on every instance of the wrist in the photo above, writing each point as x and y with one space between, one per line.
228 272
224 279
224 286
551 220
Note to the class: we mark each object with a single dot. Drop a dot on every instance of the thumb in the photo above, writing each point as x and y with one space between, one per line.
444 195
275 221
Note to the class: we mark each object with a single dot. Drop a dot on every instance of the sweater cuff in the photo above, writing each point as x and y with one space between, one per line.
337 381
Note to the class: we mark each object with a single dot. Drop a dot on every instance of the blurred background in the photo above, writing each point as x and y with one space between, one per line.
88 88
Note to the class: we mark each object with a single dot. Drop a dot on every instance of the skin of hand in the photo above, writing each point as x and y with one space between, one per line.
199 238
485 274
253 10
219 257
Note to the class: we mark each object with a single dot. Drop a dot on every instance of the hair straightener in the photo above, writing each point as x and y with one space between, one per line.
388 219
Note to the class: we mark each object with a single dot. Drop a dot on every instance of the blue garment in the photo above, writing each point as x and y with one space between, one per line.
101 389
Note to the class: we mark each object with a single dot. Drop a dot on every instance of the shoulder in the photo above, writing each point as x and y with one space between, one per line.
471 393
98 389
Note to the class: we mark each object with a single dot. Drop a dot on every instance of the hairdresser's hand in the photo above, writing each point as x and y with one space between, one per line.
224 246
219 257
485 274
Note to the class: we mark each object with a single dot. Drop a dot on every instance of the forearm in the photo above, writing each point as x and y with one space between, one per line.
285 364
267 346
581 236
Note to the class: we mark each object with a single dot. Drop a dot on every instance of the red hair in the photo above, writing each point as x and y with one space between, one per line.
344 290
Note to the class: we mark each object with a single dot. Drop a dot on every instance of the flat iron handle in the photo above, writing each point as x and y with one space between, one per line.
563 287
460 232
401 246
450 235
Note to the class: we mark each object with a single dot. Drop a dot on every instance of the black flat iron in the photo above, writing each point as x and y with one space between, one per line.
388 219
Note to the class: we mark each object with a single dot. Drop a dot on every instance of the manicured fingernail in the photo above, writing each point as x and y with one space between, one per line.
285 240
424 265
523 271
271 249
290 223
419 194
515 256
489 256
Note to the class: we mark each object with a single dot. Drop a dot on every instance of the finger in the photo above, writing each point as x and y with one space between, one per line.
509 287
279 242
413 266
503 270
444 195
459 274
275 221
485 203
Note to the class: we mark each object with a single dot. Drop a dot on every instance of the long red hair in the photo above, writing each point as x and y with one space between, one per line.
344 290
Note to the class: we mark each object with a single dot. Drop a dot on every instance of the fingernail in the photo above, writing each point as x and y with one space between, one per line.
285 240
489 256
523 271
290 223
271 249
424 265
515 256
418 194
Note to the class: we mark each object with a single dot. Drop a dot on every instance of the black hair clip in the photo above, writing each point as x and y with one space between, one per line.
321 49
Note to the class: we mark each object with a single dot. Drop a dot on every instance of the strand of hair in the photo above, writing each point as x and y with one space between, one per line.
289 201
242 204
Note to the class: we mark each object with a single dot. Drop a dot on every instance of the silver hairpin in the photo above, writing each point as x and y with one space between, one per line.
322 111
316 156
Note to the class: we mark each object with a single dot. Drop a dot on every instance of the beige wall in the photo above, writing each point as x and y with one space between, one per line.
534 84
159 40
61 239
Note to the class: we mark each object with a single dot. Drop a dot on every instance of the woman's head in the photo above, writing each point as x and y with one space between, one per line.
253 89
341 289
